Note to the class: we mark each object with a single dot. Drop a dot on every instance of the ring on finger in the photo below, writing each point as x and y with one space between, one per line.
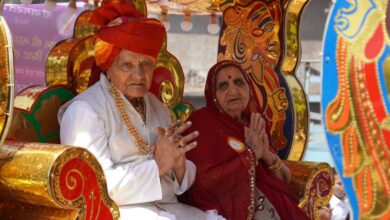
174 138
181 143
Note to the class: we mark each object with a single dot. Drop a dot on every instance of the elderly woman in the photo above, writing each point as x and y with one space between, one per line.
237 173
126 127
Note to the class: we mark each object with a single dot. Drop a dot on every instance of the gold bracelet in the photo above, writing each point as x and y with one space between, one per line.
276 165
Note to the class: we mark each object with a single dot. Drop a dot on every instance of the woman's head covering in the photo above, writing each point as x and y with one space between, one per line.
210 91
131 31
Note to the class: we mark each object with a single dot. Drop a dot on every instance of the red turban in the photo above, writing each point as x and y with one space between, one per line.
135 33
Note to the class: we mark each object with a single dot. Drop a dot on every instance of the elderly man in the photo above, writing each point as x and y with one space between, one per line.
339 202
126 127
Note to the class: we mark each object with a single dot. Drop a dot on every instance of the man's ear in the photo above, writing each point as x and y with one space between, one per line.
108 74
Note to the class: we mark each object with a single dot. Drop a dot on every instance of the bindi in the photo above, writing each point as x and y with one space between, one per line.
229 76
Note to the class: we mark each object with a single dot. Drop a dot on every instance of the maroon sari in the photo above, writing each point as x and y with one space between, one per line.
226 174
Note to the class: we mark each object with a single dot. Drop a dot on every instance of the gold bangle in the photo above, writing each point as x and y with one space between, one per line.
276 165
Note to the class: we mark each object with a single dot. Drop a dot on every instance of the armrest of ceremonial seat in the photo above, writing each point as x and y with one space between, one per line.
50 181
312 183
35 111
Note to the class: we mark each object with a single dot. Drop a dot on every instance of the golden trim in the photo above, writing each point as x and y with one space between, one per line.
167 60
166 91
302 176
292 49
252 184
290 61
22 211
301 123
80 53
58 61
318 201
9 71
83 28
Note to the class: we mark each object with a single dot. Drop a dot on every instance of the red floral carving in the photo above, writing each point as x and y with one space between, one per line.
78 180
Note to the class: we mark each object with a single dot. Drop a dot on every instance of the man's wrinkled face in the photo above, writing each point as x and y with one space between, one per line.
231 91
338 189
131 73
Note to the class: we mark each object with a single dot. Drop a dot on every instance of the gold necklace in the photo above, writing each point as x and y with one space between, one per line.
139 106
142 145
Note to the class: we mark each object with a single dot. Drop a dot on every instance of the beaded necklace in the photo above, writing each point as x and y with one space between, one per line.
139 105
142 145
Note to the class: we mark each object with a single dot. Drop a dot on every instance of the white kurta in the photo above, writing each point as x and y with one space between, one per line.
340 208
92 121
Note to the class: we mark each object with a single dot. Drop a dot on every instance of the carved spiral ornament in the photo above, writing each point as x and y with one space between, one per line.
77 181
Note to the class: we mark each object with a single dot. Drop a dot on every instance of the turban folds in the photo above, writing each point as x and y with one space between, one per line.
134 32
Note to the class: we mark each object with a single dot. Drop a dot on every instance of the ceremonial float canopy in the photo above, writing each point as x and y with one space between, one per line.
196 7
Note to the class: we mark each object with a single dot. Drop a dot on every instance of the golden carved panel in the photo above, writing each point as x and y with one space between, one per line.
24 172
6 76
57 63
262 36
11 210
171 93
56 176
83 28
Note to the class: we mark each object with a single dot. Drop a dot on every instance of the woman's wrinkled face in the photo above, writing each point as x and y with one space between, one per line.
131 73
231 91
